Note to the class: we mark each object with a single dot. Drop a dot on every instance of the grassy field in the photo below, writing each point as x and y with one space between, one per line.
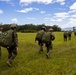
62 60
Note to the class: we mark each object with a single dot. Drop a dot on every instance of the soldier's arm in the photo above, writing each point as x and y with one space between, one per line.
15 39
52 37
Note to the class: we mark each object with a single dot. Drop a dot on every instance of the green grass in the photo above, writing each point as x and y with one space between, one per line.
62 59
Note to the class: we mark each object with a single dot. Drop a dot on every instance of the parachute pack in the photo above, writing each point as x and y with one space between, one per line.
46 37
6 39
39 35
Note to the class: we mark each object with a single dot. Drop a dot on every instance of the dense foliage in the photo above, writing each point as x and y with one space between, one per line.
30 27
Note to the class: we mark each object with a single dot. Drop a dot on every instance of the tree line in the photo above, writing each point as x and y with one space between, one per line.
31 27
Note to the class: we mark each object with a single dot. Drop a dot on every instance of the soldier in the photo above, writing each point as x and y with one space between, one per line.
1 28
75 33
39 38
47 39
69 34
12 50
65 35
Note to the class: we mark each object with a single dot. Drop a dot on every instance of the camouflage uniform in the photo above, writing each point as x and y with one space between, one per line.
65 35
69 35
49 45
40 43
0 36
12 50
75 33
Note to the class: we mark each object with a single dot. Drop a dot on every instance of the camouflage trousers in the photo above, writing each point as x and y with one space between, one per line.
12 53
65 38
69 37
40 46
49 48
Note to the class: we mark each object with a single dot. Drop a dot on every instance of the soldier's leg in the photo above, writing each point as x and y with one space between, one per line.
40 47
49 48
14 54
0 53
9 57
65 38
69 37
9 53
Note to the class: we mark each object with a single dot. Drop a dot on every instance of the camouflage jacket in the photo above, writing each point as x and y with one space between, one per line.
15 39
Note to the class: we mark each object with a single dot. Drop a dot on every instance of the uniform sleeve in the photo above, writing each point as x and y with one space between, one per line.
52 37
15 39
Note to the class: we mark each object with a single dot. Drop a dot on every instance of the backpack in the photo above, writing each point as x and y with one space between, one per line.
6 39
46 37
39 35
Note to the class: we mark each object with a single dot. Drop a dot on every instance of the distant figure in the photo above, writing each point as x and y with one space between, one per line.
65 35
69 34
39 38
75 33
1 28
12 50
47 38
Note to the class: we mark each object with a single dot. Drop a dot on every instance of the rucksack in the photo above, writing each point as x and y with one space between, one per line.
6 39
46 37
39 35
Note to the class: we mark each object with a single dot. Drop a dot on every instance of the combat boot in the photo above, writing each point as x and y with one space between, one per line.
47 56
8 63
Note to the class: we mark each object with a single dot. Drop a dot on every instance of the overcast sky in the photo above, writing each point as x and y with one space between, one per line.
49 12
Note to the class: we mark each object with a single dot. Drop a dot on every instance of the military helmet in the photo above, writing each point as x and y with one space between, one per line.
13 26
44 28
50 29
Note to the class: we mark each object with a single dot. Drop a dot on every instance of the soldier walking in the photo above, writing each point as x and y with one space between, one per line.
65 35
69 34
75 33
12 50
47 39
39 38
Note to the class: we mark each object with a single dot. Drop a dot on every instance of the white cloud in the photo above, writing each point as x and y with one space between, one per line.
26 2
31 18
47 19
42 12
53 19
73 7
62 15
25 10
72 11
38 1
62 2
36 8
1 12
59 20
56 20
72 20
70 23
73 16
14 20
